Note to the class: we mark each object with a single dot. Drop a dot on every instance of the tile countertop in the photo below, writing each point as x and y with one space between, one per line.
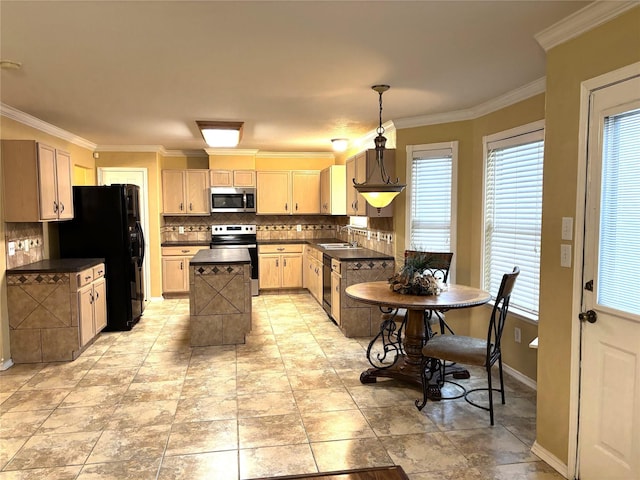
221 256
60 265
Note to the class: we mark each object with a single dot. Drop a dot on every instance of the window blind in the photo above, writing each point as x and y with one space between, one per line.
430 223
619 247
513 217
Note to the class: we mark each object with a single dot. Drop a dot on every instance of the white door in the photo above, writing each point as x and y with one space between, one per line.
133 176
609 423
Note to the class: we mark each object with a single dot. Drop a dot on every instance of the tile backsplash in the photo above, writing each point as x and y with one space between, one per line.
29 243
283 227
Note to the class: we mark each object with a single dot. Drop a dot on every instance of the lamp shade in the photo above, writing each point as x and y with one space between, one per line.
379 195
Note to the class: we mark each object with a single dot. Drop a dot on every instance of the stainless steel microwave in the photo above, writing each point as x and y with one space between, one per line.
228 199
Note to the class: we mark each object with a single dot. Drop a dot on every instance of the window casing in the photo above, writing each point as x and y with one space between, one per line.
513 213
432 198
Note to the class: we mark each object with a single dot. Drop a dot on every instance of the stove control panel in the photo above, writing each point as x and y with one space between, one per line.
233 229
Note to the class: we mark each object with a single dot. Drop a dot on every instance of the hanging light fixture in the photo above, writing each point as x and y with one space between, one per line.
379 195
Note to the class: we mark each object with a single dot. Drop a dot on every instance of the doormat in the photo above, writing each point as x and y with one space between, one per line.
377 473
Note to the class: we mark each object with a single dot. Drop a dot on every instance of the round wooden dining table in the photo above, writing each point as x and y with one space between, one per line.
408 365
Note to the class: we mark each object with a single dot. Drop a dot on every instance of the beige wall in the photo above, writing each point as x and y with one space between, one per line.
601 50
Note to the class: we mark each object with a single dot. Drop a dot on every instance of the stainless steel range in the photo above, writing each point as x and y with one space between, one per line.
238 236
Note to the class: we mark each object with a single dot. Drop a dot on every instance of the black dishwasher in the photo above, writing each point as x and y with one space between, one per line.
326 283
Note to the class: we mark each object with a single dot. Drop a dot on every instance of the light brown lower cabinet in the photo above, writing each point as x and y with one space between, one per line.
335 295
280 266
92 310
175 267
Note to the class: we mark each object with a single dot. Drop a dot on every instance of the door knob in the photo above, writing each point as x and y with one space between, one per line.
588 316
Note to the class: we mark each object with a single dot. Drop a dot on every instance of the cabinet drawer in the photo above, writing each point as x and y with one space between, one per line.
336 265
295 248
98 271
184 251
84 277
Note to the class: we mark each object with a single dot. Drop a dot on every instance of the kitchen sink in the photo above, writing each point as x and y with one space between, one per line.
338 246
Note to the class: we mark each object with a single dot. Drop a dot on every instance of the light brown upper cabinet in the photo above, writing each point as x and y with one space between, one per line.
364 167
233 178
294 192
37 182
185 192
332 190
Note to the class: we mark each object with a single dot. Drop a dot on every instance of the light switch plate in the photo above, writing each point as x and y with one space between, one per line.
298 228
180 229
12 248
567 228
565 256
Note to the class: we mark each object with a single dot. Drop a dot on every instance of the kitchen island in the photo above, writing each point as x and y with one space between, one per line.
220 297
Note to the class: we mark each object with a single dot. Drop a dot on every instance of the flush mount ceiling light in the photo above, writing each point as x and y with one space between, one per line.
339 144
381 194
221 134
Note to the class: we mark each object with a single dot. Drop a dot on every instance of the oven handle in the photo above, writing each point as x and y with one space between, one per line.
234 246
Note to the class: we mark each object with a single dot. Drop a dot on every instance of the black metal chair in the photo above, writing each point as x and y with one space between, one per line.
471 351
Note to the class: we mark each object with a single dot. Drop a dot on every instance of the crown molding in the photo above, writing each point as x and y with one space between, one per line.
132 148
36 123
585 19
514 96
230 151
320 155
185 153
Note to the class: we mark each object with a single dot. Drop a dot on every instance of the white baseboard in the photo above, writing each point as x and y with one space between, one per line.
6 364
551 459
529 382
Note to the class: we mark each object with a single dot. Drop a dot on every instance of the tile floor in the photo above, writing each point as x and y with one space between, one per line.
144 405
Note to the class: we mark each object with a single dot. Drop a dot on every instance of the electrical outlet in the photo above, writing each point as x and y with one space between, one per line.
389 238
378 235
517 335
12 249
26 245
368 234
567 228
180 229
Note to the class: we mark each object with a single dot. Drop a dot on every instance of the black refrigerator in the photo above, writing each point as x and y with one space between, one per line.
106 224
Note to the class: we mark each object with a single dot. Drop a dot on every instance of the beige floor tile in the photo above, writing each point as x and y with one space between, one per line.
201 409
456 474
523 471
146 443
266 404
276 461
25 400
55 473
204 386
424 452
200 437
153 391
141 414
379 395
324 400
9 447
94 396
350 454
203 466
490 446
255 383
313 379
109 376
398 420
336 425
11 383
56 450
126 470
77 419
21 424
271 431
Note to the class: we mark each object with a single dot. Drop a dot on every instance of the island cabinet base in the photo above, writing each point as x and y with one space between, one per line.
358 319
220 303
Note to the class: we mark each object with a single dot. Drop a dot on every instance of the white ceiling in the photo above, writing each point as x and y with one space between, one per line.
298 73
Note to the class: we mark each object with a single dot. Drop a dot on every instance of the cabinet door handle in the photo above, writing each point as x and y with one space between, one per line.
97 296
280 249
55 207
181 206
190 206
286 207
61 207
296 206
277 264
88 277
184 251
284 262
91 299
181 265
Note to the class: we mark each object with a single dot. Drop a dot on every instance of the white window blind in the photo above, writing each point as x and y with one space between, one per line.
432 200
513 216
619 257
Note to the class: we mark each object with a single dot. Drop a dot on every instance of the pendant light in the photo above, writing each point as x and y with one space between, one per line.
379 195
